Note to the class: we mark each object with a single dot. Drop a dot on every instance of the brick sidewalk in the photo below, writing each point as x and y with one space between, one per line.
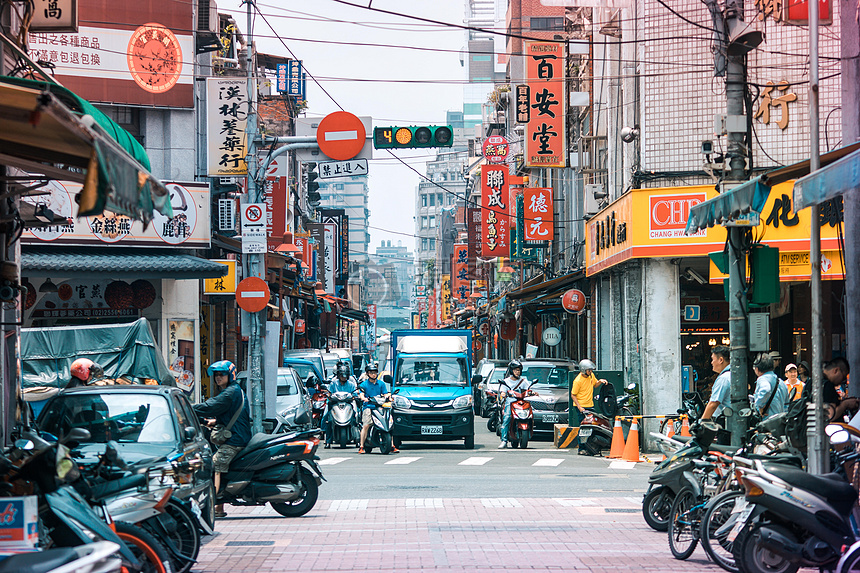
493 534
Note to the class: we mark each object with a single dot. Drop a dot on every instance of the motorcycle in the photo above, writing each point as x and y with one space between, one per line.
494 413
96 557
343 417
382 422
280 470
792 519
595 434
522 416
318 402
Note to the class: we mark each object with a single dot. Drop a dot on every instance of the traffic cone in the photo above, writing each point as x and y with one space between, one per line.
631 448
671 432
685 428
617 448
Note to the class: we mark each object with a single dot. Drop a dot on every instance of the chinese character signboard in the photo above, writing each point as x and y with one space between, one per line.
460 280
334 169
189 227
494 211
226 116
137 53
279 217
180 353
523 109
54 16
519 250
371 328
446 298
545 132
281 78
495 149
222 285
538 214
295 83
473 228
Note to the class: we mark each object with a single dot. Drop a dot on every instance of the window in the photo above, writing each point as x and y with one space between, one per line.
423 244
432 221
424 222
423 200
432 200
547 24
432 244
440 199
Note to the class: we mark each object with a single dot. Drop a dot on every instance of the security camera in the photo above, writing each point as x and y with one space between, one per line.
694 276
628 134
707 147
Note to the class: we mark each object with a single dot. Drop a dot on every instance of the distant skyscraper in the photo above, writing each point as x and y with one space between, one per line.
350 194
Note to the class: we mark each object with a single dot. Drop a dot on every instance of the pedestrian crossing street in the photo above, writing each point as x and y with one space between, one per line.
403 460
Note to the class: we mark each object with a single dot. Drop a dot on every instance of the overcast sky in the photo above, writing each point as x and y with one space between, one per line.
410 87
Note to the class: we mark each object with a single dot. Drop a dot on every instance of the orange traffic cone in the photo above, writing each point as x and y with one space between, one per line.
617 448
671 424
685 428
631 448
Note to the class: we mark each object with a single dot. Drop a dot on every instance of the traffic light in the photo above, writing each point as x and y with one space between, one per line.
413 136
312 186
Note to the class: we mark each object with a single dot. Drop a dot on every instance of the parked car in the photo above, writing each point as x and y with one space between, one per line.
292 400
552 402
483 369
359 361
315 355
489 389
346 356
330 360
306 370
146 422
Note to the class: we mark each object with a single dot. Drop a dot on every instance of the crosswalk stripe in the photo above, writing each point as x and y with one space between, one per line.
474 461
348 505
331 461
621 465
500 502
551 462
402 461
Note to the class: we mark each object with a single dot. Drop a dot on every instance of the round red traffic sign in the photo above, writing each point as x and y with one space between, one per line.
341 135
252 294
573 300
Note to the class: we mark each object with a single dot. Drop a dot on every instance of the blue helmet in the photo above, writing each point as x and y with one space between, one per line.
223 366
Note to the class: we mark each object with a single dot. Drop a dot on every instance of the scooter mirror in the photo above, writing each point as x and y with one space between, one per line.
76 435
631 386
728 412
388 379
831 429
745 413
303 418
477 379
25 445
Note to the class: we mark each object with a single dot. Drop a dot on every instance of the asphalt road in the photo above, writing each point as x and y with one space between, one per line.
447 469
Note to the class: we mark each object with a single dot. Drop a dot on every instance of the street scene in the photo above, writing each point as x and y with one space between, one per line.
464 285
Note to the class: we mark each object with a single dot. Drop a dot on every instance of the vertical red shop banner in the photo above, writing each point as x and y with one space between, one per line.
538 219
278 220
495 218
546 143
460 274
473 228
431 309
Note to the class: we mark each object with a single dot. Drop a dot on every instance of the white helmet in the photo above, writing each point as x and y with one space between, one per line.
586 365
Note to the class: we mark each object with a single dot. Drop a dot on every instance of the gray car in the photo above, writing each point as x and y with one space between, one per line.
292 400
552 402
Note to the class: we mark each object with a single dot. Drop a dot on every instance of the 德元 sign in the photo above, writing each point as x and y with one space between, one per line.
538 214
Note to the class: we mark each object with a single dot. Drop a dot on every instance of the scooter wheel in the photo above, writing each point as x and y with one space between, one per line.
148 550
524 439
305 501
492 423
751 557
657 506
385 444
342 437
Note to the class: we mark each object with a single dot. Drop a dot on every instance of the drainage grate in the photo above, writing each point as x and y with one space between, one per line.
620 510
249 543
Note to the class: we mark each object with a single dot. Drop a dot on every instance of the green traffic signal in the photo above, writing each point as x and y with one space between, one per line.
412 137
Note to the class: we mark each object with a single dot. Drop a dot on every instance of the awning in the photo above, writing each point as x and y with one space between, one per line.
86 264
547 289
353 314
828 182
752 195
47 130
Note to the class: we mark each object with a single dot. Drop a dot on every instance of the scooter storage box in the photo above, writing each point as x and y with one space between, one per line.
19 522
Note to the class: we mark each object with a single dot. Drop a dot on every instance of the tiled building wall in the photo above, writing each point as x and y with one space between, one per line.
680 94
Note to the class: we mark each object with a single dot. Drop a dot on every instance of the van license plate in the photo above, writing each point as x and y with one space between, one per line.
585 432
550 418
431 430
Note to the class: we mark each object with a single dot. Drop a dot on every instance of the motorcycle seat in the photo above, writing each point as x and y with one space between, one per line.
831 487
780 458
259 441
723 449
40 561
112 487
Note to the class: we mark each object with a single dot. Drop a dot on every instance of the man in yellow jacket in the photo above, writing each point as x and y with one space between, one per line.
582 389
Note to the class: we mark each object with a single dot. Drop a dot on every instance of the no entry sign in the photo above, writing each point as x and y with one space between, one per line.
252 294
341 135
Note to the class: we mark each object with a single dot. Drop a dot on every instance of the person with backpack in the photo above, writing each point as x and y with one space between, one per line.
771 393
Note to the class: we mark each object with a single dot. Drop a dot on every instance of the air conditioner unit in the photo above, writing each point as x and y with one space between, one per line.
227 215
207 16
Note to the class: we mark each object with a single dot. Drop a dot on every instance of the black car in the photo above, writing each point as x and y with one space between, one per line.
147 422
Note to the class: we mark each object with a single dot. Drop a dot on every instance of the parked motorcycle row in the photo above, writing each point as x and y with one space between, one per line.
108 515
755 509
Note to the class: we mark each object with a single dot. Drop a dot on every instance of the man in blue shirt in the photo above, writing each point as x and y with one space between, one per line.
721 392
370 388
771 393
342 383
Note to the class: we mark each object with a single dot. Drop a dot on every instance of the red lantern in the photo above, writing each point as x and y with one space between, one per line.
300 326
509 329
573 300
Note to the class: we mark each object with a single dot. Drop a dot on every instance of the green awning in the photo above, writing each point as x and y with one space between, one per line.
745 198
46 129
90 262
828 182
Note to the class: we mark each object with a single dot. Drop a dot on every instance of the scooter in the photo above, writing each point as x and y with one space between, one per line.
595 434
381 425
96 557
318 402
344 418
522 417
280 470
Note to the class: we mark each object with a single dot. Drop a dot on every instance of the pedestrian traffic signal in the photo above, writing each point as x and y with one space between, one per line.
412 136
312 186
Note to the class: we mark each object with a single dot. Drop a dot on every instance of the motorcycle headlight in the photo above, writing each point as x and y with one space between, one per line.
401 402
290 410
463 401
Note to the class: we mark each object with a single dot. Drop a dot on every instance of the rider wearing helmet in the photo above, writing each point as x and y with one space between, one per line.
582 389
514 381
370 388
82 372
343 382
220 410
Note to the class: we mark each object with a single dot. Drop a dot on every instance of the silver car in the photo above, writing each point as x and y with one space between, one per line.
552 403
292 400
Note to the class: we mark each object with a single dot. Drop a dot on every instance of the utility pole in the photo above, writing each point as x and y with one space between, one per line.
254 262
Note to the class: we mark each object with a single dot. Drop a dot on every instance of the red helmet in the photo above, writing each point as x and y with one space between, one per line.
80 368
